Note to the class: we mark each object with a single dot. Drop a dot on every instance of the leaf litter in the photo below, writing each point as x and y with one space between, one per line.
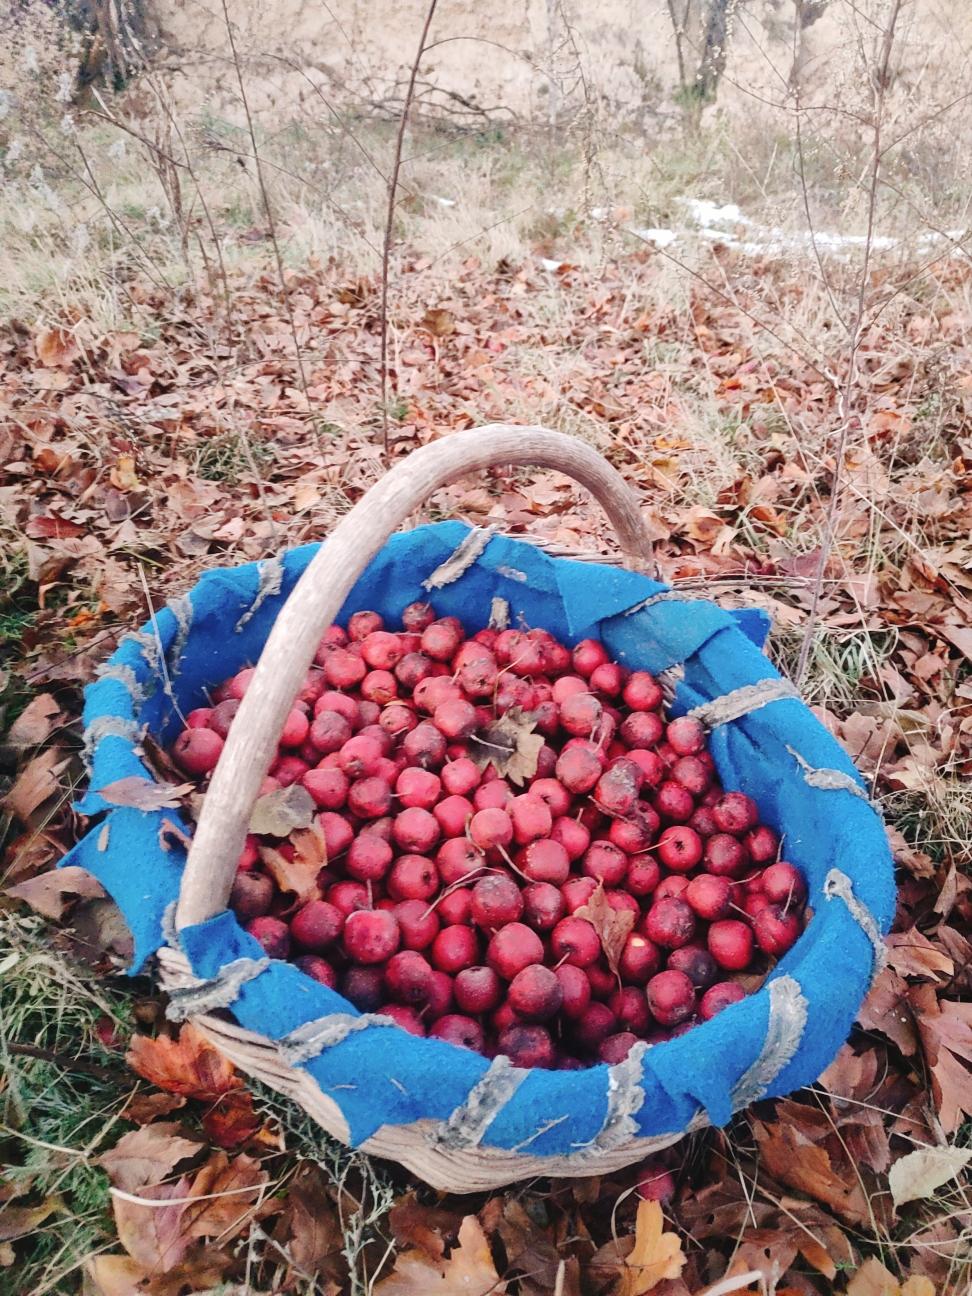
807 1190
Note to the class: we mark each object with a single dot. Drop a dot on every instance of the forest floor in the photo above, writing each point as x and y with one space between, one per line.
167 426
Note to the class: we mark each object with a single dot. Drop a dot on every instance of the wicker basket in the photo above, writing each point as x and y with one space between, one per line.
778 1046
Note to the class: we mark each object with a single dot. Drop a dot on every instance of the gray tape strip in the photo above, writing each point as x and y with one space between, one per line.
148 645
838 885
742 701
461 559
269 582
108 726
665 596
217 992
787 1022
126 677
669 680
828 780
182 611
470 1121
626 1096
170 932
499 614
322 1033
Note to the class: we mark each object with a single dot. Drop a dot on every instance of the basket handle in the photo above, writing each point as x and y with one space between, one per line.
317 598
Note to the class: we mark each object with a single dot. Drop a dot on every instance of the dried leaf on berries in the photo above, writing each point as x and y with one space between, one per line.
469 1270
147 1155
613 926
145 794
509 745
655 1256
298 875
52 892
279 813
187 1065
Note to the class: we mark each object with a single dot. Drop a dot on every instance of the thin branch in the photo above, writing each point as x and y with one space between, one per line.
390 221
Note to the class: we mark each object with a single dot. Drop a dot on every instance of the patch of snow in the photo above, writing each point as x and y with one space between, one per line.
659 236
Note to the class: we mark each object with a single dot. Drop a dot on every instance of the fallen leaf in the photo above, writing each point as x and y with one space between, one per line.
218 1201
36 783
145 794
790 1156
945 1027
120 1275
439 321
278 813
188 1065
123 475
18 1221
56 348
427 1227
311 1222
613 926
656 1255
35 723
919 1173
872 1279
232 1119
51 893
509 745
887 1009
469 1270
147 1155
912 954
147 1107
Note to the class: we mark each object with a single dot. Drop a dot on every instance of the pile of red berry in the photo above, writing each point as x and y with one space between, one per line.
519 853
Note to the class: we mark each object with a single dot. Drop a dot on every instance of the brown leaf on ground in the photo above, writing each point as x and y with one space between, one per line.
429 1228
187 1065
919 1173
56 348
311 1226
887 1009
19 1221
794 1160
36 783
53 892
613 926
872 1279
232 1119
912 954
946 1035
120 1275
147 1107
36 722
151 1229
469 1270
147 1155
145 794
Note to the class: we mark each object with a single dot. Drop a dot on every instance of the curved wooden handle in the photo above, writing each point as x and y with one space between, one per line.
318 597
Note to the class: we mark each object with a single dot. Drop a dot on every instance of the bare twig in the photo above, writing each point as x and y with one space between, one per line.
390 221
845 395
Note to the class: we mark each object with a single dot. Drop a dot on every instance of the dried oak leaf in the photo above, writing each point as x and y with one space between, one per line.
429 1228
298 875
147 1155
145 794
469 1270
188 1065
279 813
887 1009
509 745
311 1225
655 1256
613 926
